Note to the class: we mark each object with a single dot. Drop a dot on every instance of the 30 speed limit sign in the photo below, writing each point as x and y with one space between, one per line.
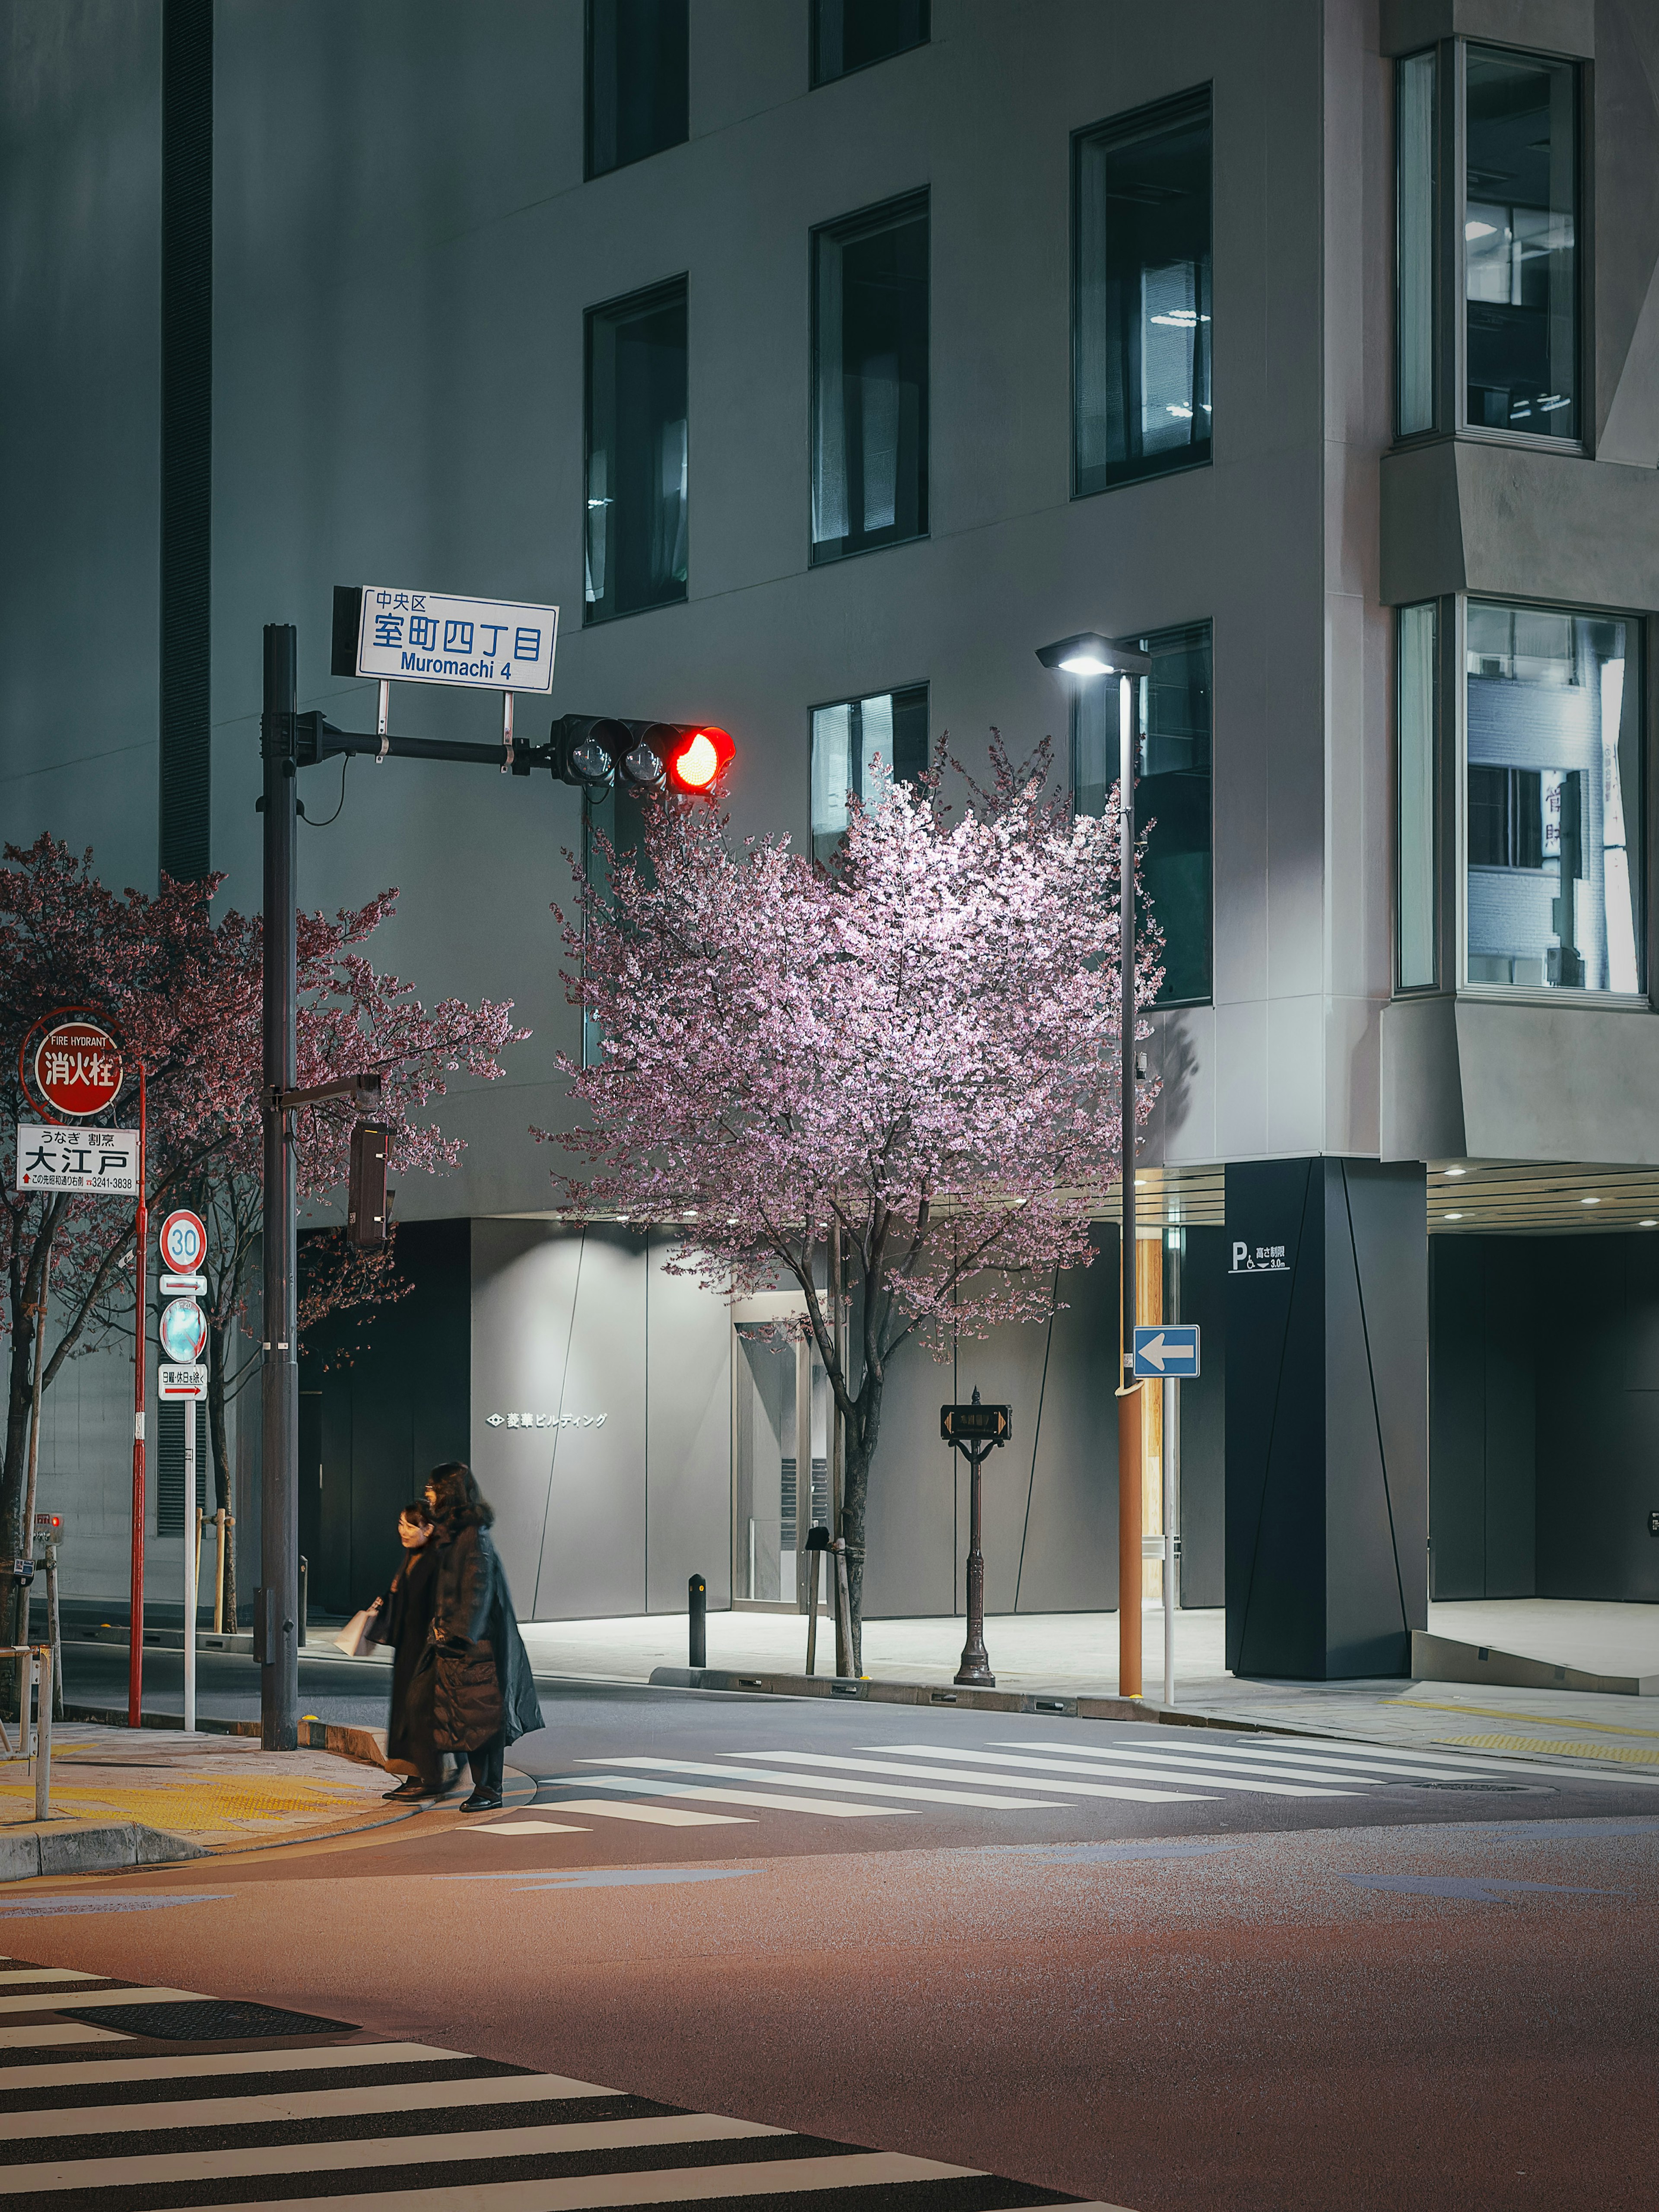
184 1241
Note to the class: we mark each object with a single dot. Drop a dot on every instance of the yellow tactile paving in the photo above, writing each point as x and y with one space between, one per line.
1629 1753
1539 1720
197 1803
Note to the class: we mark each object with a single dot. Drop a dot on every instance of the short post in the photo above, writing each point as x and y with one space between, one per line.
54 1631
974 1431
843 1609
818 1543
697 1620
305 1597
43 1741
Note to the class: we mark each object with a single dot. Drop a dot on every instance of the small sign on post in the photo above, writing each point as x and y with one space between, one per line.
1167 1352
183 1381
102 1163
435 637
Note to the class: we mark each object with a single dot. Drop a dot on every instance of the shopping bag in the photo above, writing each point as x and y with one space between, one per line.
358 1634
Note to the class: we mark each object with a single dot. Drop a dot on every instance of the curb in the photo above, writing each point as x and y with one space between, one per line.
108 1848
366 1746
1056 1704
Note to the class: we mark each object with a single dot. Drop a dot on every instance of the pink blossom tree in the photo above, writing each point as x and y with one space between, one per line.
184 993
918 1044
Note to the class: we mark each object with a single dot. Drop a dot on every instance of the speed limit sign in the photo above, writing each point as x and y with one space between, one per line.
184 1241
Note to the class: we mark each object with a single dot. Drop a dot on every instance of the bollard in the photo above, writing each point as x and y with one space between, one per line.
43 1738
697 1620
305 1596
817 1546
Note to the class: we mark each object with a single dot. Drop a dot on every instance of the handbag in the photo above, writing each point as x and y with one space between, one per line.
358 1634
467 1707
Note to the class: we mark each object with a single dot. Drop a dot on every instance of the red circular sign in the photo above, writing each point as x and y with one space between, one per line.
74 1064
184 1241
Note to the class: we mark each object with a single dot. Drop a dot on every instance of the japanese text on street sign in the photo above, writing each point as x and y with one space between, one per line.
101 1161
181 1382
974 1423
430 637
1167 1350
76 1065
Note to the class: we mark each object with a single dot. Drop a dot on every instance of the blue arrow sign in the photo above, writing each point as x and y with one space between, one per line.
1167 1351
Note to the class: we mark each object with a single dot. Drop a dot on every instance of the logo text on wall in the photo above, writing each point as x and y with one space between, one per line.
545 1420
1259 1260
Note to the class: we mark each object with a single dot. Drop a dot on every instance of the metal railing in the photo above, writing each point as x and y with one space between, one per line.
31 1733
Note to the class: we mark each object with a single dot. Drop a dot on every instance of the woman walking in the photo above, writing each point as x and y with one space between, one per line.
483 1696
405 1622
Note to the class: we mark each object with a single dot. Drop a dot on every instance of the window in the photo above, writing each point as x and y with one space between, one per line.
859 745
1141 295
1172 794
1414 241
1520 242
850 34
1416 950
638 69
1554 801
636 453
870 377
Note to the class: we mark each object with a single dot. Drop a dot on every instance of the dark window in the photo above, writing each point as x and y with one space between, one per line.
1506 818
1416 220
1140 299
638 64
850 34
636 453
858 746
870 395
1172 794
1520 243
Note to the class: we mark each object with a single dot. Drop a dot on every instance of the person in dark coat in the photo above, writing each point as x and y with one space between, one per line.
472 1611
405 1622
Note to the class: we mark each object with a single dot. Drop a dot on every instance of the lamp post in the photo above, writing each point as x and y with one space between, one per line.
1089 657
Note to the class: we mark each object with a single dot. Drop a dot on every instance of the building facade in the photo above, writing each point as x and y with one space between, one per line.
821 362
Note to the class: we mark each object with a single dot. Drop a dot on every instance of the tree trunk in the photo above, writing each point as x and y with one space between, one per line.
860 1451
224 1492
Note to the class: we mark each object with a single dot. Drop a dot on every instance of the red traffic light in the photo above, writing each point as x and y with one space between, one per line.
698 760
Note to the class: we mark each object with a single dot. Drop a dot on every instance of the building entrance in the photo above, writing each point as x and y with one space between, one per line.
780 1452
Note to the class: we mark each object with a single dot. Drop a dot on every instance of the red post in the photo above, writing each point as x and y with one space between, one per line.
135 1628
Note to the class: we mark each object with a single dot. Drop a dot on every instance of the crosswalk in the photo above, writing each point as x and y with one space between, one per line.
988 1781
136 2120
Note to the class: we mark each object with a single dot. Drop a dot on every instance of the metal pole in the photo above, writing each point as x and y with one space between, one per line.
696 1593
1129 1479
1169 1388
54 1630
219 1519
141 1289
43 1742
279 1534
192 1539
812 1559
35 1439
838 1463
975 1672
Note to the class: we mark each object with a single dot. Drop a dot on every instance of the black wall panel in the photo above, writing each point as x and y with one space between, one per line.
1203 1422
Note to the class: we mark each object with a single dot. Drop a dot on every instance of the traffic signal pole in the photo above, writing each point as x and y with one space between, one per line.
278 1600
1129 1472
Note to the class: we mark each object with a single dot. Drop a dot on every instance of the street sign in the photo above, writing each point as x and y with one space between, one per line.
434 637
1167 1352
186 1380
182 1286
976 1424
184 1241
183 1330
72 1063
104 1162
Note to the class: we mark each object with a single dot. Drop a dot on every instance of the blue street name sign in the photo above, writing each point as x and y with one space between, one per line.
1167 1351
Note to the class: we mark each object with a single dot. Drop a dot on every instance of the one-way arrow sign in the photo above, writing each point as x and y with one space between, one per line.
1167 1349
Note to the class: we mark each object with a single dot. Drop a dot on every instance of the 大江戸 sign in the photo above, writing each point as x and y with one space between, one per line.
100 1161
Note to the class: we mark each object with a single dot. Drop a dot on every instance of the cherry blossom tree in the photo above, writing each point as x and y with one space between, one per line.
184 992
918 1044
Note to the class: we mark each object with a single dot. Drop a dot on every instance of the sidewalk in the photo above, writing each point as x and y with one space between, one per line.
124 1797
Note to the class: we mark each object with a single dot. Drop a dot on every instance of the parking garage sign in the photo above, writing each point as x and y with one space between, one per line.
433 637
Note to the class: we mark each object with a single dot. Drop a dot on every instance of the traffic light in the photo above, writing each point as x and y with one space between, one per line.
594 752
366 1194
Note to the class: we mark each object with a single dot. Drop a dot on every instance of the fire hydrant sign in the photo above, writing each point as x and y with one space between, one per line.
74 1065
432 637
102 1162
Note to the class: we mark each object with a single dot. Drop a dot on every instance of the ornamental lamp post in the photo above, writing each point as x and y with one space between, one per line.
1089 658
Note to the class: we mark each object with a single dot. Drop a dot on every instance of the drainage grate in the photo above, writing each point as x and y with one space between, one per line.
208 2021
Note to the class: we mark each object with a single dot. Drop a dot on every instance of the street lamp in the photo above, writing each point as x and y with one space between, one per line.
1089 658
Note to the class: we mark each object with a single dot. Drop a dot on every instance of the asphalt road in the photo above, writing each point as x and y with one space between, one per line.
1158 1968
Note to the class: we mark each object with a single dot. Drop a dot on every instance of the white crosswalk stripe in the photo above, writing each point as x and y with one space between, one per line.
1388 1761
1068 1787
1129 1767
639 1786
329 2125
835 1782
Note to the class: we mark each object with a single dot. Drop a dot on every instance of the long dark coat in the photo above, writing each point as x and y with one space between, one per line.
404 1622
472 1603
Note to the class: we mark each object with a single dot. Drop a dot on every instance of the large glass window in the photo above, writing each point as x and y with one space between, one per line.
636 453
850 34
1554 819
1415 726
1520 242
638 70
860 746
1172 794
1140 305
1415 232
870 376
